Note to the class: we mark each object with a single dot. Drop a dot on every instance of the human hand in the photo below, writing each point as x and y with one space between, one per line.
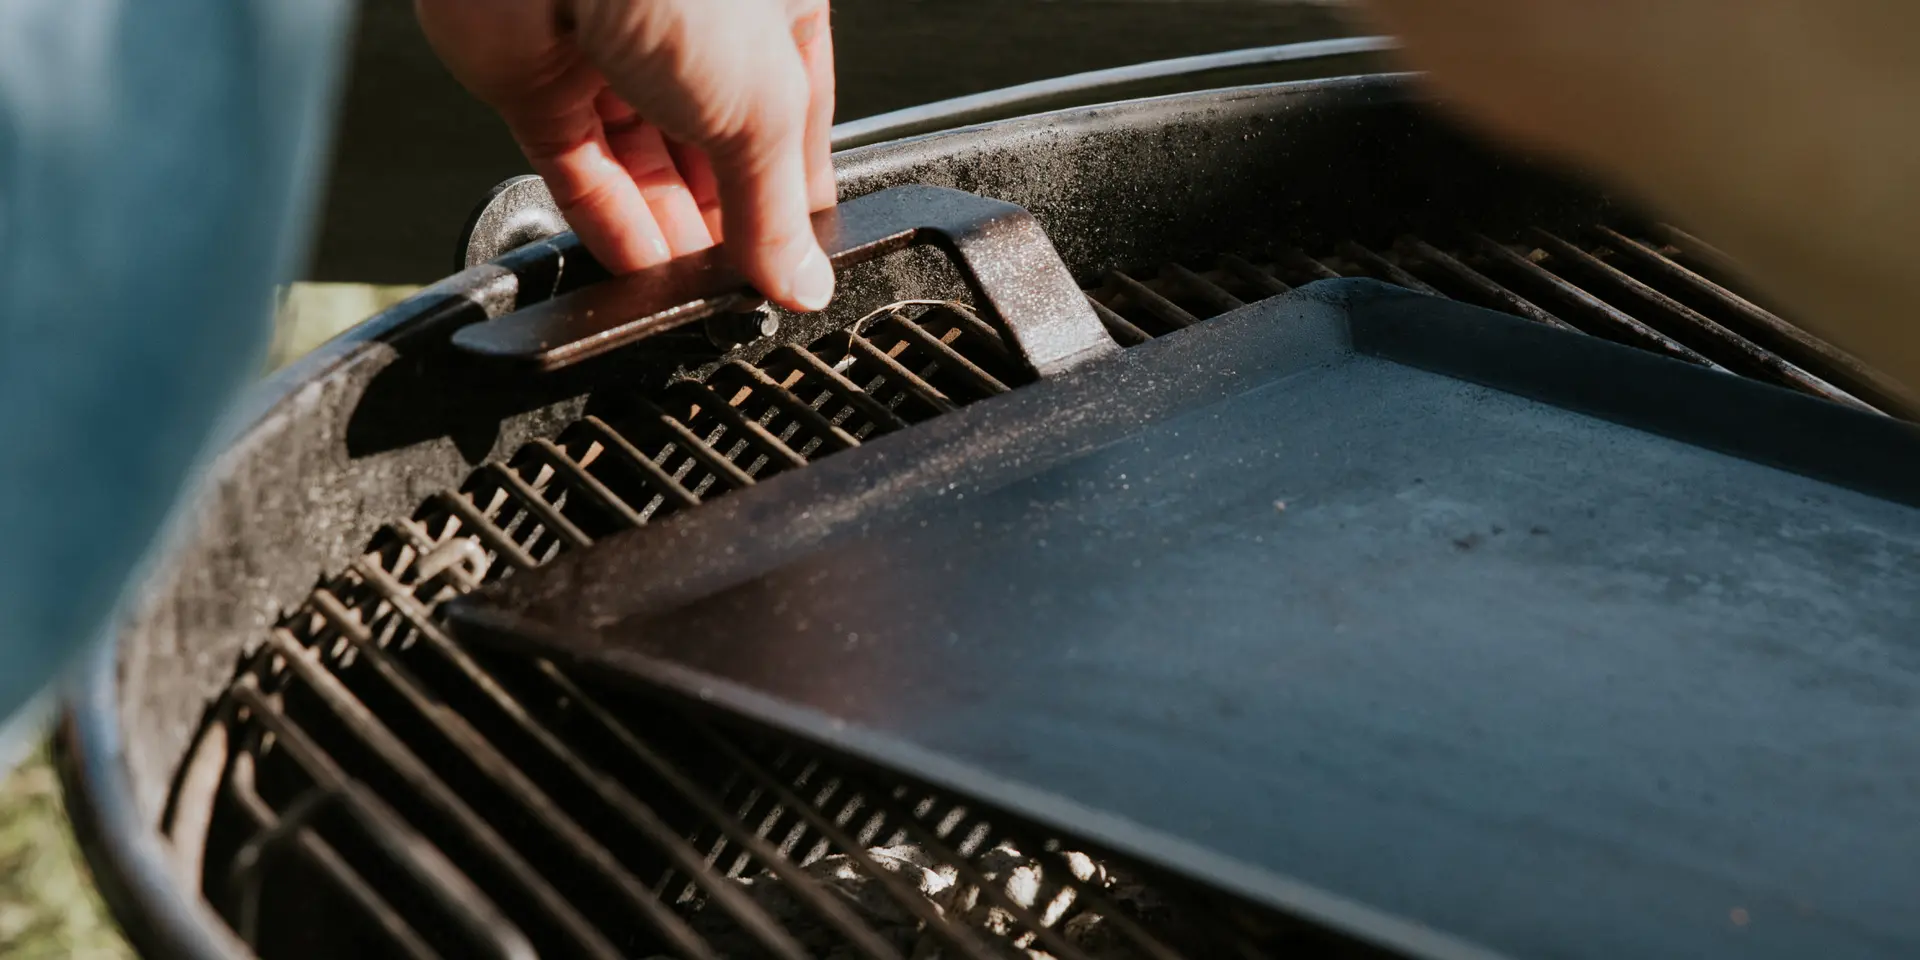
662 126
1783 130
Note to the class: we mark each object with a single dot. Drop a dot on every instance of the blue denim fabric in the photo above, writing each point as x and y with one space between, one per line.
159 160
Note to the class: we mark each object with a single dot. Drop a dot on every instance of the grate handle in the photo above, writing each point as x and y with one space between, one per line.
1001 251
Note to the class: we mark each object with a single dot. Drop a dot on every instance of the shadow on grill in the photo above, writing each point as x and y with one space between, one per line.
383 791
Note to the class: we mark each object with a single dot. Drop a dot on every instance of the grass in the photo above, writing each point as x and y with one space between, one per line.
49 909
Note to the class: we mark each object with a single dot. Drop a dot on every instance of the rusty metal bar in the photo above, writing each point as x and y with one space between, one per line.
883 418
586 483
856 931
1164 310
1256 277
749 431
529 499
389 830
830 435
486 758
1310 266
651 473
751 916
428 785
1481 284
949 359
1215 295
1775 367
488 532
723 470
906 379
239 786
967 320
1122 329
967 940
1112 913
1882 390
1614 319
1394 272
1698 250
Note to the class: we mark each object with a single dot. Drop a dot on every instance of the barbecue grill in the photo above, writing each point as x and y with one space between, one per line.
289 752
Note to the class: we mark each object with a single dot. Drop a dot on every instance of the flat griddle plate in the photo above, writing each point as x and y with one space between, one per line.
1339 603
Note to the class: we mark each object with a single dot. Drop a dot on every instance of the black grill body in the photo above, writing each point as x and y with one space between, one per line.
283 752
1399 562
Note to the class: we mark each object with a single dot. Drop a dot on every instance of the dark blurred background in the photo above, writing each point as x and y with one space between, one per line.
414 153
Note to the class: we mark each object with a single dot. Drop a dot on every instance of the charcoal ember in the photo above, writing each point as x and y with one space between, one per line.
841 877
1025 881
1046 888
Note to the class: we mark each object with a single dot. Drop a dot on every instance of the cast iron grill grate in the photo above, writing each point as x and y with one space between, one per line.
384 790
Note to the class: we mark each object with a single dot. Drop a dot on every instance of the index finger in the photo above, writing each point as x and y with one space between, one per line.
592 188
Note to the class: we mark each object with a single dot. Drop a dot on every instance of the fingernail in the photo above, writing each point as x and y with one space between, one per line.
813 279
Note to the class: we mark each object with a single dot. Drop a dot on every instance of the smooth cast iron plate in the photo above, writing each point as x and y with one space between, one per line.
1406 652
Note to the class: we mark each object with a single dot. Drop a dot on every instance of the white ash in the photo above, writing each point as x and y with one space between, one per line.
1040 887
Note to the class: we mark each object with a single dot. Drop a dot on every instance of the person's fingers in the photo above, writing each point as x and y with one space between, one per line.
640 148
725 75
592 188
697 170
765 215
813 36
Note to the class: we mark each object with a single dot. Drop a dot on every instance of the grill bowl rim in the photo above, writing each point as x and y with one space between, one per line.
160 912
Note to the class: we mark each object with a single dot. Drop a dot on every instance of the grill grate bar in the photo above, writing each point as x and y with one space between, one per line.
501 771
1214 294
642 817
1150 300
488 532
1122 329
1706 258
946 356
895 371
832 437
522 493
428 785
1114 914
1388 270
1872 385
844 390
671 494
751 433
1480 284
578 479
983 332
1258 277
1309 266
271 826
725 471
857 933
1771 365
485 925
1616 321
968 941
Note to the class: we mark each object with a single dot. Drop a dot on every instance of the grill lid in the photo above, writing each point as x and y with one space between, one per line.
1443 657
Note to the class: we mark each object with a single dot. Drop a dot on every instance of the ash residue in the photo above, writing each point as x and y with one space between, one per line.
1050 890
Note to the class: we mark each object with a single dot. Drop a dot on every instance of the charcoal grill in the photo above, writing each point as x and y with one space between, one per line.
287 754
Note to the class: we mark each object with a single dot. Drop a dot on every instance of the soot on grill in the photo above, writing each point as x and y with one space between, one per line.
384 791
